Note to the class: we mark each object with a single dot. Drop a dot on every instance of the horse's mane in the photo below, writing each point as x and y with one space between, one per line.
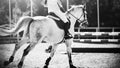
73 7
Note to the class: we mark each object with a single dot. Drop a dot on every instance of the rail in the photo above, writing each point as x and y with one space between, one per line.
95 29
111 34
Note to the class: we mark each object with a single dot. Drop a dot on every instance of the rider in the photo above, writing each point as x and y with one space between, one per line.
55 6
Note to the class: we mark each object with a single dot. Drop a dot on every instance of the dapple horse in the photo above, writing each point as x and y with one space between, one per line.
43 28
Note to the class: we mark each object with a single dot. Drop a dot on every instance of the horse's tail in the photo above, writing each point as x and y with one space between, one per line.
21 25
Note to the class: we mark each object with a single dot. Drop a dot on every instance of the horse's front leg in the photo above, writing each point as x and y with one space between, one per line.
68 43
17 46
48 50
51 55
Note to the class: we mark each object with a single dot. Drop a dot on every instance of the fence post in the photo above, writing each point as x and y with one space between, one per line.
31 7
98 18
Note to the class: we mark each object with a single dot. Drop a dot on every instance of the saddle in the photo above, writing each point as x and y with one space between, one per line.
57 20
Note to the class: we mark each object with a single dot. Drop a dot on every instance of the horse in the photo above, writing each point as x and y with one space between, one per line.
43 28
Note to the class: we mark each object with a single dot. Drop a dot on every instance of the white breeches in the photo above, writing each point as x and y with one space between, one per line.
61 16
53 7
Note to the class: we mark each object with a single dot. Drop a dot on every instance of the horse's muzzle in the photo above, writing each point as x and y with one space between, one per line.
84 24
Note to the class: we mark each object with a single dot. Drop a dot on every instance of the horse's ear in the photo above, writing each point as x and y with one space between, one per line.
81 6
70 6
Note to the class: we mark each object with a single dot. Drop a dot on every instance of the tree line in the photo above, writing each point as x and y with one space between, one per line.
109 11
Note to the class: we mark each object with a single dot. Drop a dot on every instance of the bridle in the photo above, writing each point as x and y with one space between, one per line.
78 19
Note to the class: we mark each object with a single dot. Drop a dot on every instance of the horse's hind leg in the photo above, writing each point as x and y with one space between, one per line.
33 42
26 51
51 55
69 51
17 46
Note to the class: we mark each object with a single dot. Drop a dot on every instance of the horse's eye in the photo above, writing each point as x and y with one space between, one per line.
69 17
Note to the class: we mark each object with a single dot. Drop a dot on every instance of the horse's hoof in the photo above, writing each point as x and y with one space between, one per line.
72 66
11 59
20 65
45 66
6 63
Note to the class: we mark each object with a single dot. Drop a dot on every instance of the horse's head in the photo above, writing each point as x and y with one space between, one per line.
79 14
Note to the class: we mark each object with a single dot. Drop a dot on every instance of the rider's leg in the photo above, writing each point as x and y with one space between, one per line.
66 25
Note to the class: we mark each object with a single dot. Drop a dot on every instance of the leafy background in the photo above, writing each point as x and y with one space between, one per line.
109 11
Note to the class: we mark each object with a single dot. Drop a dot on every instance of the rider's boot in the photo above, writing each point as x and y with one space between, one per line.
67 33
